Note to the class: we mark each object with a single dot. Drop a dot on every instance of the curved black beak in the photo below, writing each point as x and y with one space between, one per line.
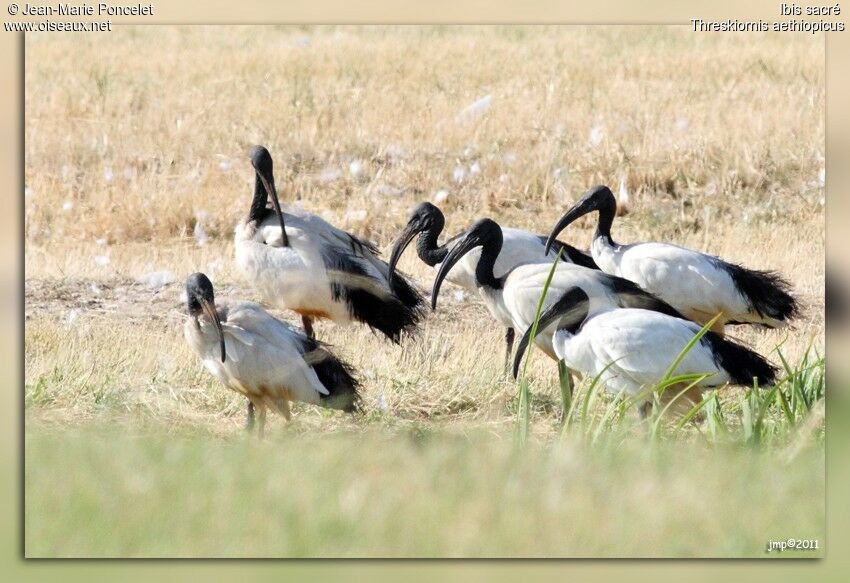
473 239
268 183
586 205
405 237
571 310
209 309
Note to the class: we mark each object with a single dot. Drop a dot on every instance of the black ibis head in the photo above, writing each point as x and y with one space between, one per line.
263 165
485 233
200 300
599 198
569 311
424 218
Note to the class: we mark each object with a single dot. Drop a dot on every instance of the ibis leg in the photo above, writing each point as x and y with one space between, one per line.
249 422
307 324
261 425
509 346
284 409
565 379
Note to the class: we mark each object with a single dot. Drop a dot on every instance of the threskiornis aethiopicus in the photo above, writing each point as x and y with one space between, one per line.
518 247
699 285
632 349
512 298
298 261
266 360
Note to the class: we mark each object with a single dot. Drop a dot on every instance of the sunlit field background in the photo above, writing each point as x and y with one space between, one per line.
137 171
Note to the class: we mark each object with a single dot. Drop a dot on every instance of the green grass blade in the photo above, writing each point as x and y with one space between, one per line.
690 345
669 404
694 410
566 385
524 410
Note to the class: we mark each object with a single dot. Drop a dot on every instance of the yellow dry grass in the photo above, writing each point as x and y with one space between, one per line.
137 140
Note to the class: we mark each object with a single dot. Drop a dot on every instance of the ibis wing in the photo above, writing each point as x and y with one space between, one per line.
686 279
520 248
309 370
643 344
526 282
274 361
355 271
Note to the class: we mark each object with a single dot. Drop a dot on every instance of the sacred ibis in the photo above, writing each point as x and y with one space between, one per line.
512 298
518 247
632 348
266 360
298 261
697 284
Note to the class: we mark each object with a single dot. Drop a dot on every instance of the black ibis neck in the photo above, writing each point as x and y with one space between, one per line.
606 220
484 275
427 249
258 204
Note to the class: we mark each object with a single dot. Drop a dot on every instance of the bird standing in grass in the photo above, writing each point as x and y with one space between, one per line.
266 360
297 261
518 247
699 285
632 349
513 298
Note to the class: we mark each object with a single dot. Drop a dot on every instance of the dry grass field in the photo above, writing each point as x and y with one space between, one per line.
137 171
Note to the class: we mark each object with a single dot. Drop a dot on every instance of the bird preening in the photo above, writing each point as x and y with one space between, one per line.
266 360
622 313
298 261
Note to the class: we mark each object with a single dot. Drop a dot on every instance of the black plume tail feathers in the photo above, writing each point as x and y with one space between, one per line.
741 364
767 293
391 313
335 374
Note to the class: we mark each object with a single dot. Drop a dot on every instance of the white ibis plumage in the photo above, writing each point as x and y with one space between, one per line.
518 247
512 298
298 261
266 360
699 285
632 349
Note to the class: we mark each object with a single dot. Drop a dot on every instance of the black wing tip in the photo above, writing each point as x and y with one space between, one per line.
387 315
399 314
574 254
406 292
631 295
